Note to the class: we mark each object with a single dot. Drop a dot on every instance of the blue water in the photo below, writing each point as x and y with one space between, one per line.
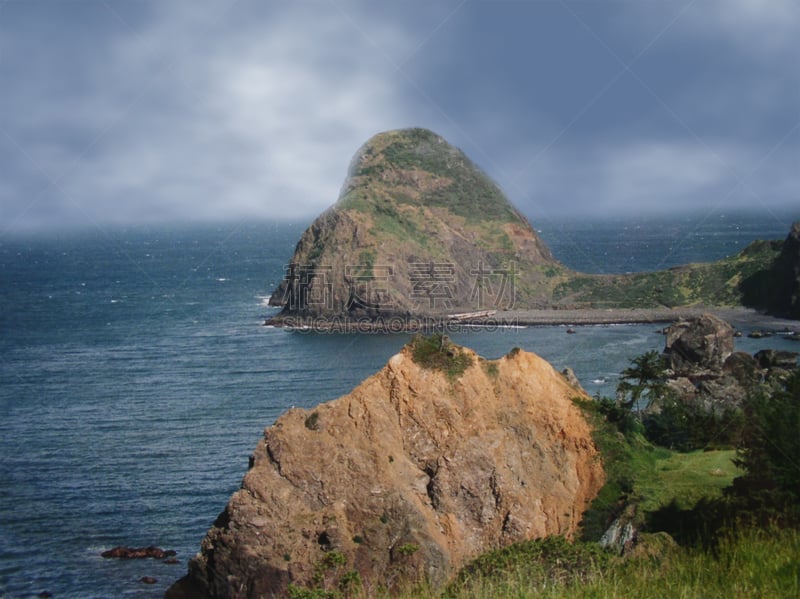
136 378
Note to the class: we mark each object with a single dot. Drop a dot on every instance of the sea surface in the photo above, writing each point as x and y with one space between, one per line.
136 377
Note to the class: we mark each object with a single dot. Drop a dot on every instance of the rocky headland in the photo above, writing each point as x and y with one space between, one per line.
437 458
420 233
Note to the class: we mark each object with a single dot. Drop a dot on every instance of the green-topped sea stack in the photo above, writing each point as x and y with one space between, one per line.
420 231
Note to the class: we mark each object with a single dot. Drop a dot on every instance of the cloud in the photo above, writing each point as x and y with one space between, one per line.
758 29
656 178
221 116
155 111
759 26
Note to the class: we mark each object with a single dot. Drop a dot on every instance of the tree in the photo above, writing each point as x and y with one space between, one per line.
644 382
770 444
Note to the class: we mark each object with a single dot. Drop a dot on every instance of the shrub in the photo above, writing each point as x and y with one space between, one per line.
438 353
686 426
312 421
408 549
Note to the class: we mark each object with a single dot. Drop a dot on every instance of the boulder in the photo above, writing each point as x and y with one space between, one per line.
772 358
702 343
622 535
743 367
407 478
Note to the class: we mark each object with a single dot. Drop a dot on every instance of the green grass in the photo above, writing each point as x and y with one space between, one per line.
471 193
748 564
685 479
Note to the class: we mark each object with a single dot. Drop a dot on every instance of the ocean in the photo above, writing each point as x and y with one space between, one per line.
136 377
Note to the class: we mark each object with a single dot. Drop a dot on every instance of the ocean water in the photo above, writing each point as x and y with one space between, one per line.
136 378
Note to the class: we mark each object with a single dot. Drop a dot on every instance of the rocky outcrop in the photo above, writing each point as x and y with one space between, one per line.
418 229
138 553
783 293
703 343
705 370
408 477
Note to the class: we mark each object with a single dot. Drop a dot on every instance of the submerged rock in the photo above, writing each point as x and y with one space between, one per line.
408 477
138 553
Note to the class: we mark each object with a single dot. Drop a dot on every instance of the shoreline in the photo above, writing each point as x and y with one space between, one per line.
738 317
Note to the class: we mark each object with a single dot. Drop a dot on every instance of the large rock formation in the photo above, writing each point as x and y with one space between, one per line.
412 474
777 289
789 266
419 230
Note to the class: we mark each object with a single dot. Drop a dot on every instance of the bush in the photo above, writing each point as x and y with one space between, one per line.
623 455
686 426
438 353
544 563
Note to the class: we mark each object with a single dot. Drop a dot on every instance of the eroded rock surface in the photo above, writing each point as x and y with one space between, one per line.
408 477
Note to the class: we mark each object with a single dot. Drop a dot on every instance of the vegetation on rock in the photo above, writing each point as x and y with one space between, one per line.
436 352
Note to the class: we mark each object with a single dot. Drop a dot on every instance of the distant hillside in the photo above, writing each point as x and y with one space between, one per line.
420 230
719 283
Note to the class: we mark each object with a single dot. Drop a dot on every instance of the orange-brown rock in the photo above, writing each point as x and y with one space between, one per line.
408 477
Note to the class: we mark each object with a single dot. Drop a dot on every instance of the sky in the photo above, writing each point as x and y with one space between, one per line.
138 111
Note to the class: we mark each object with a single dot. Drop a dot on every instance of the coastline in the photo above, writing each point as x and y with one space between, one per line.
738 317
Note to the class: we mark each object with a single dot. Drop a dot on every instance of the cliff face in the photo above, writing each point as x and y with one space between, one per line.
418 229
777 289
787 273
408 477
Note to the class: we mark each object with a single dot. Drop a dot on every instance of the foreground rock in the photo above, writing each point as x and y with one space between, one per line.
406 478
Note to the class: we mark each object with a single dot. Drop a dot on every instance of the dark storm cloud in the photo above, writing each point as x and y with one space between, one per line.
145 111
